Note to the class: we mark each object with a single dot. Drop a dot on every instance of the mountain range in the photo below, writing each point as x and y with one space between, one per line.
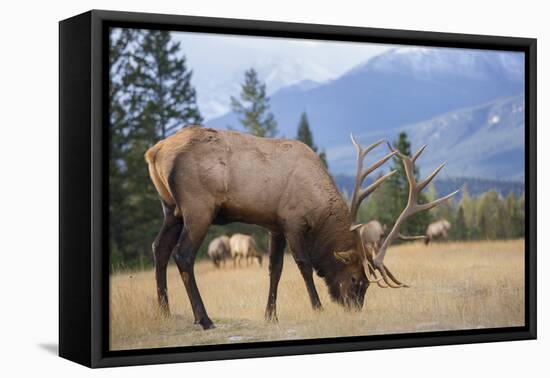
467 105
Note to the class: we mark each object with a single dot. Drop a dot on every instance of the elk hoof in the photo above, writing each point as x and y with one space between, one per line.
271 318
318 307
164 312
206 324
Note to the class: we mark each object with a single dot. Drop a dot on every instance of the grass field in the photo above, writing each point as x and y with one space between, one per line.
462 285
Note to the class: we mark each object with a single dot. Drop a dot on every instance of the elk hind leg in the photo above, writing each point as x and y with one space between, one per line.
190 239
162 249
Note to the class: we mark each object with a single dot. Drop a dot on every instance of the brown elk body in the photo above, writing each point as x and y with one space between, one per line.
244 247
204 176
219 250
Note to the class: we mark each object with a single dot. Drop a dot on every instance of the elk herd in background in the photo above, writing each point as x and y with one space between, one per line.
237 248
205 176
240 246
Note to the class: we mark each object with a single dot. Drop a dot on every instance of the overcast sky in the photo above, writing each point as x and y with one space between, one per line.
219 62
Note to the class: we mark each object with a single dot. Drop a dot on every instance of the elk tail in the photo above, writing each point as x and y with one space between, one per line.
160 183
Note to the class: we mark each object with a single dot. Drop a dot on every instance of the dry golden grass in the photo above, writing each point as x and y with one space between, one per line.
454 286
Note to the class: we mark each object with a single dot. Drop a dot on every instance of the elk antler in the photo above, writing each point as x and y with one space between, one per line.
412 208
360 194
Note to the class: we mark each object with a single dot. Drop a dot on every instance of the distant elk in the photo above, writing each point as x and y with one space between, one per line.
199 174
372 233
437 229
244 247
219 250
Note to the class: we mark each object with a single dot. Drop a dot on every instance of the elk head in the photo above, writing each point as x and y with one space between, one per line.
365 264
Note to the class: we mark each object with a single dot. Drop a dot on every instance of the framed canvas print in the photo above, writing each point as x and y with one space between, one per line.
234 188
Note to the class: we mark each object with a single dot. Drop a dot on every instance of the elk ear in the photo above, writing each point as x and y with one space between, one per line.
347 257
355 227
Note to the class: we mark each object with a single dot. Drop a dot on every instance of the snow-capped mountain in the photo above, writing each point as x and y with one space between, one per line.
433 63
486 141
413 86
275 73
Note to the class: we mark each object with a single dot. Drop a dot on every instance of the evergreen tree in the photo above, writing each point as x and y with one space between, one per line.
253 107
377 206
488 210
483 227
445 210
470 215
304 132
162 81
306 136
459 229
120 43
397 187
323 157
150 96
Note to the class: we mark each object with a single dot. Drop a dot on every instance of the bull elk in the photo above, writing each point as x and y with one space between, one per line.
198 173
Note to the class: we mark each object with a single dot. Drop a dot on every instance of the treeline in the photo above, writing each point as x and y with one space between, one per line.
151 97
488 216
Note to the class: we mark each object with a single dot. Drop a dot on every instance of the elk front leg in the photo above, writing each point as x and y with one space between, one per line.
162 249
184 255
307 273
277 244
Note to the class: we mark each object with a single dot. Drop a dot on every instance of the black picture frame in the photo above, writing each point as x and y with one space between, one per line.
83 195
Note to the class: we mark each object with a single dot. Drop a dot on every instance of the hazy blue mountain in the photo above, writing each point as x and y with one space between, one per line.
442 97
399 87
484 141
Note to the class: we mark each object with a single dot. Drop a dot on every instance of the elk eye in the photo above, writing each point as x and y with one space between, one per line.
353 279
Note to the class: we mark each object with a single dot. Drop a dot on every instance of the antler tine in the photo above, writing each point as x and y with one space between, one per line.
422 184
369 268
410 209
372 187
392 277
362 152
429 205
396 151
376 165
382 285
371 273
356 145
359 194
418 153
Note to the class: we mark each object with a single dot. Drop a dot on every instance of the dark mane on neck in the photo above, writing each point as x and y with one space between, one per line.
331 233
